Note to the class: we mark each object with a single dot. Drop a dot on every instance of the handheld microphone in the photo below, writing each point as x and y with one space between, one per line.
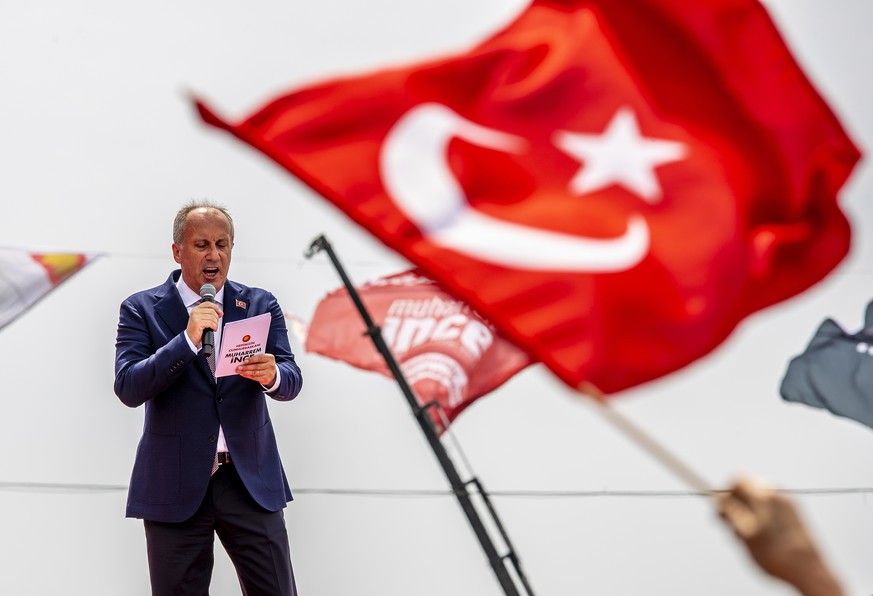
207 293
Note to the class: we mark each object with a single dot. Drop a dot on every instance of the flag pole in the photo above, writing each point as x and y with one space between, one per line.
459 487
645 441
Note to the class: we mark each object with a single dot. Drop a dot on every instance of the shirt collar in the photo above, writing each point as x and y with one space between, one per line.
190 297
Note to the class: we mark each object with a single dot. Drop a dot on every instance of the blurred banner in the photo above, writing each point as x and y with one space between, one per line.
835 371
447 353
26 277
614 185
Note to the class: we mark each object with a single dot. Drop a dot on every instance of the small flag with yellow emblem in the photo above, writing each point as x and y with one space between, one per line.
26 277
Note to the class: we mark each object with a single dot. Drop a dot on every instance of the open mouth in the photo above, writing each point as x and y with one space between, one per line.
210 273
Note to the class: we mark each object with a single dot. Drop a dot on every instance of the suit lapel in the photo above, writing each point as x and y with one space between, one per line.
236 302
235 307
169 307
172 311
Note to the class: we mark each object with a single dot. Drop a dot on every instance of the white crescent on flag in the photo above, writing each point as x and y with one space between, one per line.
416 175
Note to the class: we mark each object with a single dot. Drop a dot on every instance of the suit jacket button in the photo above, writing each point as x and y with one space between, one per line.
219 399
212 438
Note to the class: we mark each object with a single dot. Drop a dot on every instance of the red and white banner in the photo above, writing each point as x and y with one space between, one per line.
447 353
614 185
26 277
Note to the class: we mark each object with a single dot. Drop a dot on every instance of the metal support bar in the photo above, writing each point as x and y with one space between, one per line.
510 554
427 427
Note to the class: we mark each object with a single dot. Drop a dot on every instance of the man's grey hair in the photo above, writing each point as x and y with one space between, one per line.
182 215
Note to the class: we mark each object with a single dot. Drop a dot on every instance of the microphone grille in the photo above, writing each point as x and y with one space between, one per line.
207 291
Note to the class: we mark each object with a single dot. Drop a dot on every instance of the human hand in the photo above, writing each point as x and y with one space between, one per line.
260 368
203 316
770 526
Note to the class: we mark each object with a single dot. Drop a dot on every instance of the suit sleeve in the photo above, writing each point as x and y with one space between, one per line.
146 363
291 379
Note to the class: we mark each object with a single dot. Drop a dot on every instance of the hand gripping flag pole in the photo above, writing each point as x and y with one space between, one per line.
459 487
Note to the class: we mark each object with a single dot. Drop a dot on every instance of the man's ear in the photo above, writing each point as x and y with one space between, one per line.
176 253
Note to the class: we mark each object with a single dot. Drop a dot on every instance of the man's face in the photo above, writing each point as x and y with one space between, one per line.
205 250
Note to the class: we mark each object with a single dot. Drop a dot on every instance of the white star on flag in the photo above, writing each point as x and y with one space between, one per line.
619 155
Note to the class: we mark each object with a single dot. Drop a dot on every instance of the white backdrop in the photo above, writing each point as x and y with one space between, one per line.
100 146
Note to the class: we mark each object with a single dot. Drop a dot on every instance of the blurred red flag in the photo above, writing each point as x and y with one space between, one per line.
447 353
614 185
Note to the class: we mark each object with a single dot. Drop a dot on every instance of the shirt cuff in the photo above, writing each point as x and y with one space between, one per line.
191 345
275 384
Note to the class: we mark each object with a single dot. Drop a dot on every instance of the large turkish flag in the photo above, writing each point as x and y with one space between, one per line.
614 185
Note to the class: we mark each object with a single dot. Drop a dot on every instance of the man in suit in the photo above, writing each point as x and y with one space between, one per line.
207 462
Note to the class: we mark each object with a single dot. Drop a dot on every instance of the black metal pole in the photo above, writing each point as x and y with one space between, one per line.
513 558
424 421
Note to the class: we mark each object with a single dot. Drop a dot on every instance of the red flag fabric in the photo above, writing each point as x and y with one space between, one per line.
26 277
448 354
615 185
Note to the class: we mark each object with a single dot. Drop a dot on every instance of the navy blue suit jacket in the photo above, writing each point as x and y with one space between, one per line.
184 405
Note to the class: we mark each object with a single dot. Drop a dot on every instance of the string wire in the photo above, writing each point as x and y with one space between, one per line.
32 487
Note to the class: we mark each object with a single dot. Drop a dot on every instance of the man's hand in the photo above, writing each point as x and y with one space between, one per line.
260 368
203 316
